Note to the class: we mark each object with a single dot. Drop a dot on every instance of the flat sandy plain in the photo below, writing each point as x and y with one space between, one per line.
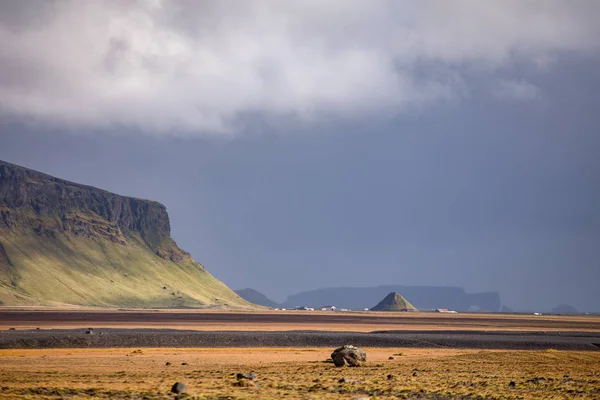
464 356
293 320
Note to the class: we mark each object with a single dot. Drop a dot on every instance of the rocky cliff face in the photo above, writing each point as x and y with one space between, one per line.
31 200
66 243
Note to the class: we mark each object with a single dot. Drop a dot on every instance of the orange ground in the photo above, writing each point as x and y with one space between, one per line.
296 373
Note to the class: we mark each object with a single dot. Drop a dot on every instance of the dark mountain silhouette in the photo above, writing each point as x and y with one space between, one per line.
67 243
256 297
423 297
394 302
506 309
564 309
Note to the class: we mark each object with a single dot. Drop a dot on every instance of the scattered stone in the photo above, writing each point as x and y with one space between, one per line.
179 387
343 380
390 377
184 363
536 380
168 363
37 329
512 384
250 376
391 358
11 329
348 355
89 332
416 373
245 383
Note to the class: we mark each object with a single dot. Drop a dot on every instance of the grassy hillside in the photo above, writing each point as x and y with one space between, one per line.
70 269
65 243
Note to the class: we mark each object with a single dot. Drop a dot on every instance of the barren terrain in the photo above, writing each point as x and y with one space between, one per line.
137 354
298 373
219 320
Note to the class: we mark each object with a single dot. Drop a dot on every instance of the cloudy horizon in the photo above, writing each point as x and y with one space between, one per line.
299 144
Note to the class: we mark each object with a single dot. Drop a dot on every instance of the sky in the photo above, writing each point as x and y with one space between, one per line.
307 144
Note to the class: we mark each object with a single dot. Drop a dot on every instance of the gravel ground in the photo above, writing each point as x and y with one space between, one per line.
107 338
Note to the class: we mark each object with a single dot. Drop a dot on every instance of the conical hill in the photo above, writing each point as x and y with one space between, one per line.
394 302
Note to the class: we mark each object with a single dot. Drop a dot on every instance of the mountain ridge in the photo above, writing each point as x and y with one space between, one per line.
423 297
68 243
256 297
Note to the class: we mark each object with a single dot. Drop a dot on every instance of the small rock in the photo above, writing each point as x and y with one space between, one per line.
390 376
11 329
184 363
245 383
37 329
343 380
249 376
416 373
168 363
179 387
361 398
89 332
512 384
391 358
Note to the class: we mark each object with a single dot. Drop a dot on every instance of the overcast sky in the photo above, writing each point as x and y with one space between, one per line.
304 144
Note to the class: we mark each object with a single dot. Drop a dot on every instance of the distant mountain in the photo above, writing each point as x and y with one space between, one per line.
423 297
506 309
256 297
67 243
394 302
564 309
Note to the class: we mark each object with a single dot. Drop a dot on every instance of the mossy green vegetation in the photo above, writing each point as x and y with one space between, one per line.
70 269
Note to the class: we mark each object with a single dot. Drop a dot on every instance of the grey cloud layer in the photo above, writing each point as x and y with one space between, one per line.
192 66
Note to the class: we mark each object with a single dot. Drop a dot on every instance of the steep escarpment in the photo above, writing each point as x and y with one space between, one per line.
66 243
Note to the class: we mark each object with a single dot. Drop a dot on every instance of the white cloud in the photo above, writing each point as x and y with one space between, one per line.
194 66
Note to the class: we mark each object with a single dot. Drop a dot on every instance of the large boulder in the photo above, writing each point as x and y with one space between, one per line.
179 387
348 355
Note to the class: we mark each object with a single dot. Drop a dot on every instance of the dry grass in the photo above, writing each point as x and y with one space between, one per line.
297 373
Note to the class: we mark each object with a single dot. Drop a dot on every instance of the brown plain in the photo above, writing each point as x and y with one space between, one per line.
297 373
292 320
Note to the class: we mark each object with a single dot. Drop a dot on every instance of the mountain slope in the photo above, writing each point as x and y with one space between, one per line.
423 297
394 302
256 297
66 243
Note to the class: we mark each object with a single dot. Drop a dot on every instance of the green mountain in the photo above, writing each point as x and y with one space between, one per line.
394 302
65 243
